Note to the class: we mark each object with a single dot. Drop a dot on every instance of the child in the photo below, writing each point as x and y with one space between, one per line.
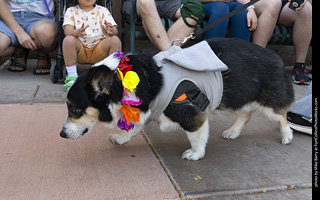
91 35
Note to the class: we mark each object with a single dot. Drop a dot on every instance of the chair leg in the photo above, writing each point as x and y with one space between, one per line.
133 24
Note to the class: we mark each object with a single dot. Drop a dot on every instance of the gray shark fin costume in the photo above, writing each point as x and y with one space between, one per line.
197 64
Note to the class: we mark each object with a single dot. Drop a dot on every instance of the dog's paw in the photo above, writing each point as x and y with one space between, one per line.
118 139
286 141
192 155
230 134
287 135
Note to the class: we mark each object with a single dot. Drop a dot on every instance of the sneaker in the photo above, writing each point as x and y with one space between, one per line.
300 75
69 81
299 123
310 74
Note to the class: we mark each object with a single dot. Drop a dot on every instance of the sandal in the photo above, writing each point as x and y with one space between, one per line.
69 82
43 67
25 54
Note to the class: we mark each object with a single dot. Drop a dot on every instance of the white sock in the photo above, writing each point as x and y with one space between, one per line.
72 70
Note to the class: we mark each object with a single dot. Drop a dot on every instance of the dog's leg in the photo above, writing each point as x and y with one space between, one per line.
124 137
198 141
281 117
285 130
236 128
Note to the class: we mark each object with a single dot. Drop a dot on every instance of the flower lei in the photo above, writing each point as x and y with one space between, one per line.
130 80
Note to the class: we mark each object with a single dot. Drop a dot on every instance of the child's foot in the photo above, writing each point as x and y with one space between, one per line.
69 82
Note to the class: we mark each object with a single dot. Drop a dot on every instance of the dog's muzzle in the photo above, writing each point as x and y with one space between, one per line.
63 133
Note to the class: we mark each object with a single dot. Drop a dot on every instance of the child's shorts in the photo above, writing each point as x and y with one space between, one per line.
26 19
91 55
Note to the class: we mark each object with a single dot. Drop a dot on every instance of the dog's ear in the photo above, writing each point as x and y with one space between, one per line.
101 80
104 114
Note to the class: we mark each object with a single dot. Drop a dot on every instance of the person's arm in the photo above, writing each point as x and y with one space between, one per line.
70 30
109 30
251 16
24 38
108 24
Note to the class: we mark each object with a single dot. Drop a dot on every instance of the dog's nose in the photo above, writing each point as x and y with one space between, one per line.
85 131
63 133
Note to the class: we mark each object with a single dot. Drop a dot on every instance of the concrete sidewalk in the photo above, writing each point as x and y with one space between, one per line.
35 163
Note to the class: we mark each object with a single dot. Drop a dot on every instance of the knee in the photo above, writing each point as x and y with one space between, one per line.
116 42
48 35
145 6
217 9
307 12
5 43
69 42
273 7
270 7
112 42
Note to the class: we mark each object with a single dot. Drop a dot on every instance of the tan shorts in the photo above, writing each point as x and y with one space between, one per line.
91 55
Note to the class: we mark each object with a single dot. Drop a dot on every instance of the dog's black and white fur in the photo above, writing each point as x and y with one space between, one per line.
255 81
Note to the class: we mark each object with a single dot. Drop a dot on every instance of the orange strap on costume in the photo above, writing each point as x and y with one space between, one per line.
181 98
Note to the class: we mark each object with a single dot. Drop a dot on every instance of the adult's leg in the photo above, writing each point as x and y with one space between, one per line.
302 29
5 45
147 11
6 49
239 25
302 32
214 11
267 12
45 35
179 30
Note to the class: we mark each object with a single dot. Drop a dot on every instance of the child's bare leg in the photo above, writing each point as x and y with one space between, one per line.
111 44
71 47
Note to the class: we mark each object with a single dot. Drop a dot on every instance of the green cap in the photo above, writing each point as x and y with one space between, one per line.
193 9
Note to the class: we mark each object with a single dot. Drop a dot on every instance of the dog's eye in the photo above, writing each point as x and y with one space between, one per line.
75 112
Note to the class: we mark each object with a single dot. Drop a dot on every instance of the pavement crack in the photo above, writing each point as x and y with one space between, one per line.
244 192
164 167
34 95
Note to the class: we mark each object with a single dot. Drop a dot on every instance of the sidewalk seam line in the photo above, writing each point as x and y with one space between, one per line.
34 94
230 193
164 167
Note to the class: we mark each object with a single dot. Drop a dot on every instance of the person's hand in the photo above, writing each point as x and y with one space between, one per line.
252 19
108 28
301 6
80 32
26 41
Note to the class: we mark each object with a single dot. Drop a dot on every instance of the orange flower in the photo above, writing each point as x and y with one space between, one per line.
130 113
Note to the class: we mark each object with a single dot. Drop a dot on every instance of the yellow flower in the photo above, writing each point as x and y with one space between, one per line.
130 80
